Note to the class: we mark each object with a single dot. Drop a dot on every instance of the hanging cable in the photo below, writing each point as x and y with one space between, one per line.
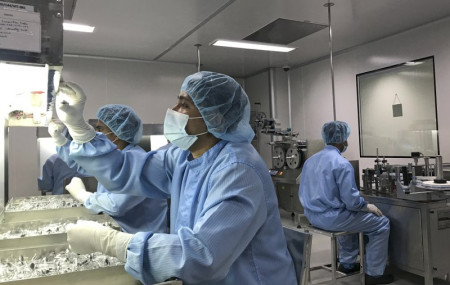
198 56
328 5
287 68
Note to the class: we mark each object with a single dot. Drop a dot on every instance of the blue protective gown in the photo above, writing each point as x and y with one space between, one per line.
54 171
225 225
331 199
133 213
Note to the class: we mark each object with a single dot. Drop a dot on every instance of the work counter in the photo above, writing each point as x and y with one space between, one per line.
419 236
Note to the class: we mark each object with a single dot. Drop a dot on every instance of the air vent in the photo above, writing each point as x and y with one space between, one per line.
283 31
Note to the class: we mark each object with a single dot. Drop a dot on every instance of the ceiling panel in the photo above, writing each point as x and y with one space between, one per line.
134 29
284 31
169 30
238 21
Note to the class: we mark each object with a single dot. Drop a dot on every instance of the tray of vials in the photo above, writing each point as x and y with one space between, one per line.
56 264
46 202
36 208
44 232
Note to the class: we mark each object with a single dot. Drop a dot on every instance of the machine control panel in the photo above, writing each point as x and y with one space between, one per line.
275 172
285 176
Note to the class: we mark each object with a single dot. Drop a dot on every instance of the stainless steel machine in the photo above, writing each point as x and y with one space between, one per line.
288 156
415 199
414 181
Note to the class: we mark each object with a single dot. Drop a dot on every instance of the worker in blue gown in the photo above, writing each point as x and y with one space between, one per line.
225 225
54 172
123 127
332 201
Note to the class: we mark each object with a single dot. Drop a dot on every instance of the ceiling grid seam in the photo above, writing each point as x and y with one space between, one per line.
195 29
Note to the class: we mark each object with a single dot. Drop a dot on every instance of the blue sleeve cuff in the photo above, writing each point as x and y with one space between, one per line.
92 208
136 255
364 204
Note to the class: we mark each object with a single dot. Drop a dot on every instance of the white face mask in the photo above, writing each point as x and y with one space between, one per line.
174 129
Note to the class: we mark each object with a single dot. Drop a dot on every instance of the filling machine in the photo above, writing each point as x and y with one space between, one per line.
288 155
415 199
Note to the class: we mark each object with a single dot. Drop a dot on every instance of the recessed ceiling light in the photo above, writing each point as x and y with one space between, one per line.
411 63
78 28
252 45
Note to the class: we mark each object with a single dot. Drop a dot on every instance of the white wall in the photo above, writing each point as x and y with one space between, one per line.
2 167
22 162
311 84
260 96
148 87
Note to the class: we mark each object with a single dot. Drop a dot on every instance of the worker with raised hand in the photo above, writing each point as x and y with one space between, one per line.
123 127
225 224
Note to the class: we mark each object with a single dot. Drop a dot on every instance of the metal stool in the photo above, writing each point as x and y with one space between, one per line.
332 267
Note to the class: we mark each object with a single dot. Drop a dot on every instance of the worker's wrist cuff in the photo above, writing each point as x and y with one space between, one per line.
122 241
82 133
84 197
60 140
364 208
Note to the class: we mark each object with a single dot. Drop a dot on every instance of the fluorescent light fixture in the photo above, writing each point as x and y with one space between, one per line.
252 45
78 28
412 63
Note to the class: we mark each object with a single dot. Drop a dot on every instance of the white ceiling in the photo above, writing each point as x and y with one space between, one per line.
168 30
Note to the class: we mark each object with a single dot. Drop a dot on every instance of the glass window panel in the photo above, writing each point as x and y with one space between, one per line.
397 110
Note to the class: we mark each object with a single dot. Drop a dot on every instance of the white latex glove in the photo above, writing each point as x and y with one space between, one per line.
55 130
77 189
371 208
70 102
89 236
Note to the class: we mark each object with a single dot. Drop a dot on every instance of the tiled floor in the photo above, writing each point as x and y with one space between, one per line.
320 254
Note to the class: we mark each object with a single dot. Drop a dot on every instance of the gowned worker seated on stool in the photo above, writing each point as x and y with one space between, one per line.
331 200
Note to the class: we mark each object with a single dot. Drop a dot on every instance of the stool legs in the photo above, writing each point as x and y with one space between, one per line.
335 275
333 259
362 258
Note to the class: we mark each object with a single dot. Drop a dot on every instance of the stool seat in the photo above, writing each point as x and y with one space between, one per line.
326 232
332 267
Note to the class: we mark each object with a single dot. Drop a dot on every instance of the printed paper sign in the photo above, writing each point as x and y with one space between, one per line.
20 29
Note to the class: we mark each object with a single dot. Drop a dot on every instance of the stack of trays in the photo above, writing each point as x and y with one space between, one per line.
56 264
41 220
34 250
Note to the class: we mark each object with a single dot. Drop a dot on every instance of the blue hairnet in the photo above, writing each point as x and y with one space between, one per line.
335 132
223 104
123 122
